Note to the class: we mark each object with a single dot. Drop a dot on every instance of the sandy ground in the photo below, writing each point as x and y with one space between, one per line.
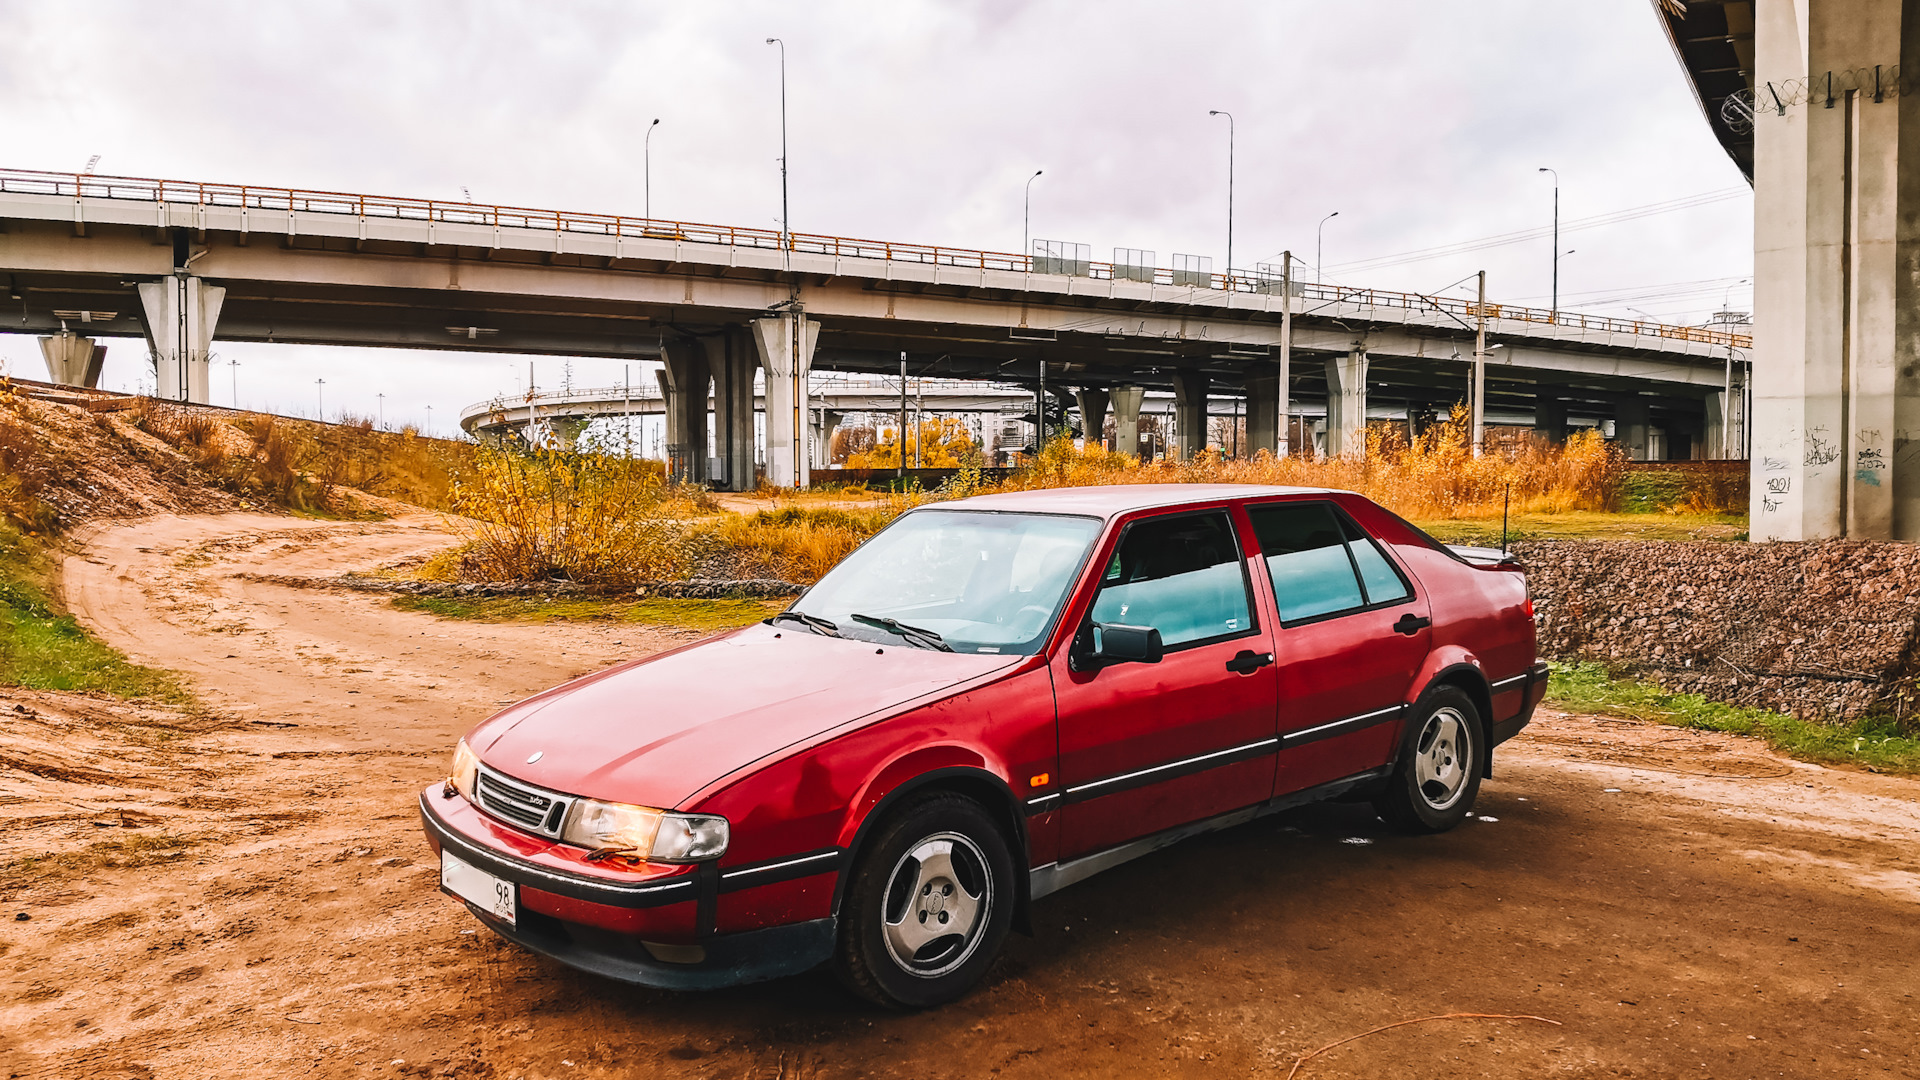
1678 904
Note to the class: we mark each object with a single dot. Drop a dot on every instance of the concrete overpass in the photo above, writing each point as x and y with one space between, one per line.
89 257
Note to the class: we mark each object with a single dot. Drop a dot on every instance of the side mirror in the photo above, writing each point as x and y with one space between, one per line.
1115 643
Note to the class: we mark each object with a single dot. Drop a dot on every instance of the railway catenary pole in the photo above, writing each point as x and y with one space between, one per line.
903 419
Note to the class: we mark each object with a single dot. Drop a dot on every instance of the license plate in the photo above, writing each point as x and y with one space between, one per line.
490 894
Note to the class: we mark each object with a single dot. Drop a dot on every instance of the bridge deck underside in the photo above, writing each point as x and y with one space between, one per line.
337 290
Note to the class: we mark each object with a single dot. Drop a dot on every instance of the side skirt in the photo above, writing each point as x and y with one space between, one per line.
1051 878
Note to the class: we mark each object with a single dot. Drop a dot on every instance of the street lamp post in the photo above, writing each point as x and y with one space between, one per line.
647 167
794 316
1318 233
1229 116
1026 221
382 406
429 421
320 399
1556 241
786 232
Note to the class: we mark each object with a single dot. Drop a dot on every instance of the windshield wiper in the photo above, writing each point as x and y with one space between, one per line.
812 622
921 635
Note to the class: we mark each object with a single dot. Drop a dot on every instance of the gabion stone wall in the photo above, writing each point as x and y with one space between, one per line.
1823 630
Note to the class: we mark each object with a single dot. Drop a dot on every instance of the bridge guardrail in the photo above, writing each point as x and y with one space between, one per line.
298 200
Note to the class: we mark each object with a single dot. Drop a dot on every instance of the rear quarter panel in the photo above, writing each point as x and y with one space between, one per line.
1479 613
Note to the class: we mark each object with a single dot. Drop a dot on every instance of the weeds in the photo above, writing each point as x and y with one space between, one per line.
1434 475
547 515
706 615
1875 743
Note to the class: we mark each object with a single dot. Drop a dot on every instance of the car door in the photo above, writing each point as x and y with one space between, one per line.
1353 632
1148 746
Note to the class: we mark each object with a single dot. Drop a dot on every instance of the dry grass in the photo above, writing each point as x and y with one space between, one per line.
302 465
26 468
1436 476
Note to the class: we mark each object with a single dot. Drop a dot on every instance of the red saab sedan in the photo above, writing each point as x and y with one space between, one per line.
991 700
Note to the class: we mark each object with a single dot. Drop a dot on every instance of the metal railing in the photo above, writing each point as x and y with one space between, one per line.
296 200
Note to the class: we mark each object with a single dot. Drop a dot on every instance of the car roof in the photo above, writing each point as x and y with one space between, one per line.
1112 500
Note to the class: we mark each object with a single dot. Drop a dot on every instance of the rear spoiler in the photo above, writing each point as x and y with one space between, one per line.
1485 556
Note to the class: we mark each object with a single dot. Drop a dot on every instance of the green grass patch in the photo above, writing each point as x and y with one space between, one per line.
43 648
708 615
1589 525
1873 743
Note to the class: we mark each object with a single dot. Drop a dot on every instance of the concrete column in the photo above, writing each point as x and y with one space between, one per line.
1093 414
733 362
73 360
825 421
1716 427
566 430
180 313
1549 414
1836 357
1631 421
1126 419
1347 403
1190 412
684 384
787 369
1263 414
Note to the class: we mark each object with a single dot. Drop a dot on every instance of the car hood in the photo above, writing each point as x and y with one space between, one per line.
655 731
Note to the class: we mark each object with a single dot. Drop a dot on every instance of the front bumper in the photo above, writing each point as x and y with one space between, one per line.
585 922
1533 690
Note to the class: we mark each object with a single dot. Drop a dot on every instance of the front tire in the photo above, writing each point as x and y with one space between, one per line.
929 905
1438 775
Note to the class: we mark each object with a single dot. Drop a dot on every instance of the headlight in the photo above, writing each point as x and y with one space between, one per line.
465 767
642 832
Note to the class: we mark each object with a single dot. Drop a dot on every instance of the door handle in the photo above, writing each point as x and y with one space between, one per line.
1411 624
1248 662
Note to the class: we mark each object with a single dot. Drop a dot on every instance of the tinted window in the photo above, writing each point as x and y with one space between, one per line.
1382 582
1180 575
1312 555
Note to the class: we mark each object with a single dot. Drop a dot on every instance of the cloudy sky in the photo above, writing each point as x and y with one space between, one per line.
1422 122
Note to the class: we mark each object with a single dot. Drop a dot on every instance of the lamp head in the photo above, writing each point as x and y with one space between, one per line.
772 40
656 120
1213 112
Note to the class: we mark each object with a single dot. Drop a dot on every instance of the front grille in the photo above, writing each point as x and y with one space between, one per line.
522 804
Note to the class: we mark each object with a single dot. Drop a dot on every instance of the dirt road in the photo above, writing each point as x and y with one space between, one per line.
247 894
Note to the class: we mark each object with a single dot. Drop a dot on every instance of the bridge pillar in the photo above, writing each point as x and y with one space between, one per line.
731 358
785 344
180 313
1093 415
1347 403
825 422
73 360
566 430
1190 412
1263 414
1836 335
1126 419
1632 423
683 384
1549 414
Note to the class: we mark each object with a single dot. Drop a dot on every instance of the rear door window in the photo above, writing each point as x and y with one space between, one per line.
1182 575
1320 563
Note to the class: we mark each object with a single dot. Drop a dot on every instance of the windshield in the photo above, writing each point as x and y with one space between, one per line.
983 582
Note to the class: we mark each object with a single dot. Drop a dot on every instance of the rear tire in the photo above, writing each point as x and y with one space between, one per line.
929 904
1438 775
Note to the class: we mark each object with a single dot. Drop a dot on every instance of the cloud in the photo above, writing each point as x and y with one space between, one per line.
1423 122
